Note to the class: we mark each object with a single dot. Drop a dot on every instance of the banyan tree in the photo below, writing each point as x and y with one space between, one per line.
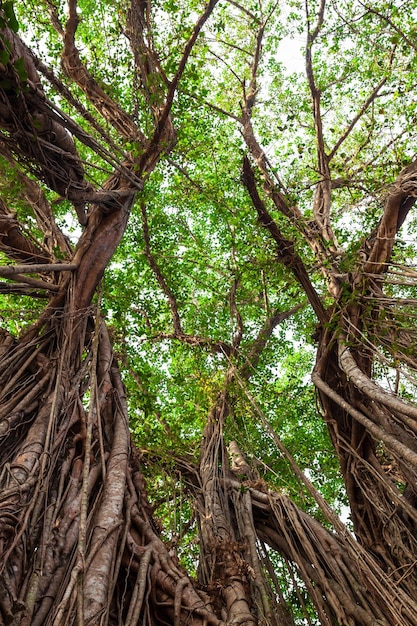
208 333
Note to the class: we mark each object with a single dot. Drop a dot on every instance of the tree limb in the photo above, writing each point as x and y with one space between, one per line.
285 248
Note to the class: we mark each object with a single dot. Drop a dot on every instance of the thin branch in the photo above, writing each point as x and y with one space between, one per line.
22 290
357 117
250 97
229 45
322 196
33 282
148 69
320 19
187 51
220 347
235 313
11 270
231 70
214 107
264 335
244 10
55 21
386 19
159 276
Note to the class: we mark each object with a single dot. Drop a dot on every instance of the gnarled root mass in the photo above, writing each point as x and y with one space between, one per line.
78 541
76 534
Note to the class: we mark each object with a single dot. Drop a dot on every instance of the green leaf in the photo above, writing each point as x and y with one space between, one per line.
8 9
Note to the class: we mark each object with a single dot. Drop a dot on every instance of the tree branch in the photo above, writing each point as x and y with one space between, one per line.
15 243
235 313
156 144
261 340
285 248
172 301
221 347
322 196
386 19
33 282
400 200
357 117
53 156
77 71
402 451
11 270
367 386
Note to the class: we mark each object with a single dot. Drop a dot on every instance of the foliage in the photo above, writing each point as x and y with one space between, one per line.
236 233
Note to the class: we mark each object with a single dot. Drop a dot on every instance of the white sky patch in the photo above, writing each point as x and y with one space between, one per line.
290 54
